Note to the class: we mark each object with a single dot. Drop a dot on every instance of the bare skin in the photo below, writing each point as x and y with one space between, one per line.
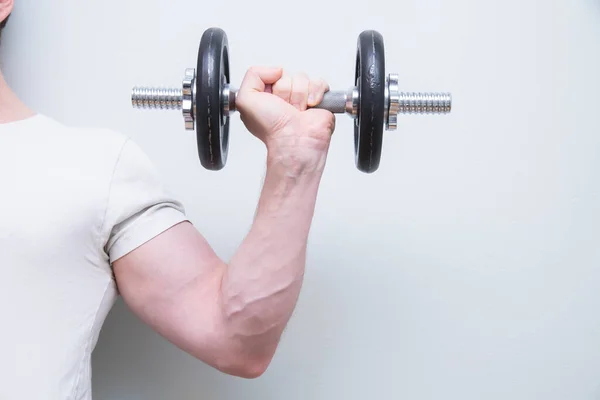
11 107
231 314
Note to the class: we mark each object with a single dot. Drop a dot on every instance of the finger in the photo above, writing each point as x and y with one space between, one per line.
299 95
316 90
257 79
283 87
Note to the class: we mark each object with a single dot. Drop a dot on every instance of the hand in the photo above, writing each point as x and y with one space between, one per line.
231 315
273 106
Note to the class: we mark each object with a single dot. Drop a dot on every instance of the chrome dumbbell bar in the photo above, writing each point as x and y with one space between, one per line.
206 99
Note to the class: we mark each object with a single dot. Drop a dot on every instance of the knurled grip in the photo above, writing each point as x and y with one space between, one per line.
333 101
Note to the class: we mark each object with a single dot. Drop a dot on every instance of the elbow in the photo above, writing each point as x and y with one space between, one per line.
247 367
250 339
248 360
250 370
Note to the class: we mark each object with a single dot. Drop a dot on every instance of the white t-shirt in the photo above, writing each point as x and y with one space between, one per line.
72 201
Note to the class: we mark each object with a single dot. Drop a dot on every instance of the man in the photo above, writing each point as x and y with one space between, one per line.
84 217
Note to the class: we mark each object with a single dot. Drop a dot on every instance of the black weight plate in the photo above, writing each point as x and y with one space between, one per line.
370 80
212 130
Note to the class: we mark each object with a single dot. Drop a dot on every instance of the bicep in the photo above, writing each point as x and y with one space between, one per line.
166 272
172 283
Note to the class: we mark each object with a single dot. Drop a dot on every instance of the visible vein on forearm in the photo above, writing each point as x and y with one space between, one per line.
263 279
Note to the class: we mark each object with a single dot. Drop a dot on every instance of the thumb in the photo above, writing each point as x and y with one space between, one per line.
258 78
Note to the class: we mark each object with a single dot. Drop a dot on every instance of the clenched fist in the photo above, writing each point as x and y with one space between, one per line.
274 107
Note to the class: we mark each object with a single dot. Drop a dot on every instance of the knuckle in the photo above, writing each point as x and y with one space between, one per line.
298 93
315 87
250 72
301 79
301 75
285 81
300 90
283 85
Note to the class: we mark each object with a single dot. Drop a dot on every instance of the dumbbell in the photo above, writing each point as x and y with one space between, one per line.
207 100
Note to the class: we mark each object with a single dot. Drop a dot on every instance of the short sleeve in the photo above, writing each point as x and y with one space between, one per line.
139 207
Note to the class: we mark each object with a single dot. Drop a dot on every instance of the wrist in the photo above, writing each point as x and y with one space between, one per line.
289 184
297 156
295 164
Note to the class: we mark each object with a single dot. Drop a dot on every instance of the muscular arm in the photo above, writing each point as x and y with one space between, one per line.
230 315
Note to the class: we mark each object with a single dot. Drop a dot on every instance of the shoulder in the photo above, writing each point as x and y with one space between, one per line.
107 163
96 149
116 184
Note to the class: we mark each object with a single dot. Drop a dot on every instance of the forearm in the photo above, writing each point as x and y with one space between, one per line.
262 282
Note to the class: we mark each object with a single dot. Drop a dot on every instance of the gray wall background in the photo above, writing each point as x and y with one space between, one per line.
467 267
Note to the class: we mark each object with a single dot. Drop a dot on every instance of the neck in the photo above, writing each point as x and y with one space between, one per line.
11 107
